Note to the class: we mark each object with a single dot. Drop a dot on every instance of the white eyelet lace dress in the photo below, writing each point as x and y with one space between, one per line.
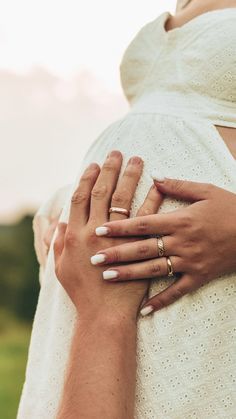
180 84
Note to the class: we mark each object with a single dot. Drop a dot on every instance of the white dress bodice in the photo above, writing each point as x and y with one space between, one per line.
190 69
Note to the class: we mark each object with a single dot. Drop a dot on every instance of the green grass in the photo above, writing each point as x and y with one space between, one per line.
14 341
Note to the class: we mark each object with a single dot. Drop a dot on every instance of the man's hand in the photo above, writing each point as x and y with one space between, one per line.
77 242
101 373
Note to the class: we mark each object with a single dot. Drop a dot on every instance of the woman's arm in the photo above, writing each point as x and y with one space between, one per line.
100 381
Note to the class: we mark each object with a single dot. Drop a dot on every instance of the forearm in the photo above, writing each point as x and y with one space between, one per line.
100 381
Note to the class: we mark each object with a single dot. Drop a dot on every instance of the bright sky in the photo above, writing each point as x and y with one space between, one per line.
81 43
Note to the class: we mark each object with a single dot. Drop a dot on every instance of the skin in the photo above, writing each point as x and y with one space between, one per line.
100 379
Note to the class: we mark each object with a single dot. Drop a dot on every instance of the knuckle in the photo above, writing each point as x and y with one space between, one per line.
128 274
145 211
177 293
197 253
79 197
129 173
187 245
197 230
109 166
142 226
204 270
186 220
119 198
85 177
115 255
99 192
177 185
91 237
199 267
71 239
154 268
159 302
143 250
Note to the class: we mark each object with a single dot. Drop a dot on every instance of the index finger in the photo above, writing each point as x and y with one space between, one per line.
160 224
80 200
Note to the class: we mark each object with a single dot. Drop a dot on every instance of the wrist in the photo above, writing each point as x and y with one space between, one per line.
108 320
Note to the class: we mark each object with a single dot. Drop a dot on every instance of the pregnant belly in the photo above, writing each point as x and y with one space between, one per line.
172 147
229 137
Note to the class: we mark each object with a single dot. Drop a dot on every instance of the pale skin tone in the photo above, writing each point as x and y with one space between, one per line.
100 380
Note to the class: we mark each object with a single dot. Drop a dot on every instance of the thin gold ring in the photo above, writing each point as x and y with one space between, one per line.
161 247
118 210
170 270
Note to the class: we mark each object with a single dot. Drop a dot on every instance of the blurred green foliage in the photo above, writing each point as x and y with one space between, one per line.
19 288
14 342
19 269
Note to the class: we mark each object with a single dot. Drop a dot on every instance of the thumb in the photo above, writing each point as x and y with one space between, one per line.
183 189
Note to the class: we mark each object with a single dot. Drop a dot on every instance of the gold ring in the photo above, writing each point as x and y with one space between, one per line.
118 210
161 247
169 267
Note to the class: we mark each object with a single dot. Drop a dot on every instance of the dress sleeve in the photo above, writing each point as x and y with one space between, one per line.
46 213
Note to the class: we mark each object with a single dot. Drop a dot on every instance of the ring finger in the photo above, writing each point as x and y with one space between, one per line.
144 270
126 187
104 187
138 250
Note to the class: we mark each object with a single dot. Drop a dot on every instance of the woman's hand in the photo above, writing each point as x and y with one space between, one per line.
77 242
199 239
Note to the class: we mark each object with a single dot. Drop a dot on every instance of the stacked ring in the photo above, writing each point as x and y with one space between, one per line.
161 247
170 270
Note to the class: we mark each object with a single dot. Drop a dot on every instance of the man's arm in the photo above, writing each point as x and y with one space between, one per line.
100 381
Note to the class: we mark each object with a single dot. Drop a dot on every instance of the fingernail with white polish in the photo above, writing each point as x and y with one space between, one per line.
146 310
96 259
101 231
110 274
158 179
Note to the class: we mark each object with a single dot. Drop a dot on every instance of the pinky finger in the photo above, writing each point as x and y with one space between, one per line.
174 292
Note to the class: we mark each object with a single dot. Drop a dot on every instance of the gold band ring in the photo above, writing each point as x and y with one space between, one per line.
118 210
170 270
161 247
